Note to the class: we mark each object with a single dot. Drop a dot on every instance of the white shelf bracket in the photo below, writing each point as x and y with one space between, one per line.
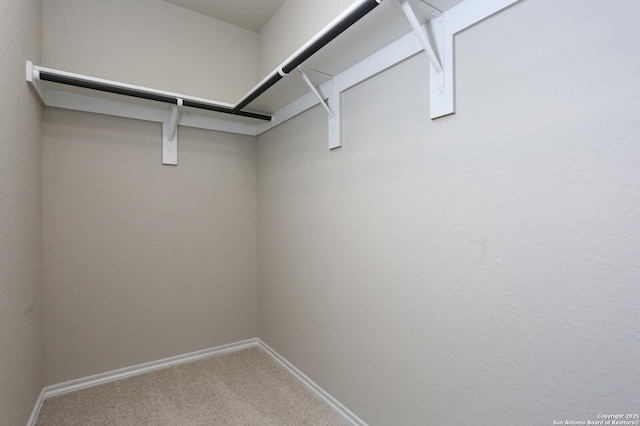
442 28
431 36
315 91
170 134
332 106
441 84
422 33
335 128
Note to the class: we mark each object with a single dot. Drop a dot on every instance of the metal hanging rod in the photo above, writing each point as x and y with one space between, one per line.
226 110
103 87
330 32
141 93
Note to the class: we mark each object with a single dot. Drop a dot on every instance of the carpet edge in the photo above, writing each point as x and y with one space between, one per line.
333 403
123 373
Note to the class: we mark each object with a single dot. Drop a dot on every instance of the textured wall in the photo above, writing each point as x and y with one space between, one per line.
295 22
482 266
20 214
151 43
143 261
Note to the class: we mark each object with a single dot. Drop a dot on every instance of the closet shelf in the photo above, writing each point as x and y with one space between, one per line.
49 80
367 38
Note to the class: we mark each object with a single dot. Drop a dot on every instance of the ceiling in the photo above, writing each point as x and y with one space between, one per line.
253 14
249 14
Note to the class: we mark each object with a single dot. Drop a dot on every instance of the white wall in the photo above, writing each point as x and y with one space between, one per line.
295 22
151 43
21 375
482 266
144 261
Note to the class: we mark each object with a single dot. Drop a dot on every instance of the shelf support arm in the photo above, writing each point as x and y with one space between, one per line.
332 105
315 91
422 35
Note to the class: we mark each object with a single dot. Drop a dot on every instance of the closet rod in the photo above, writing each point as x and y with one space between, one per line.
329 33
202 105
70 81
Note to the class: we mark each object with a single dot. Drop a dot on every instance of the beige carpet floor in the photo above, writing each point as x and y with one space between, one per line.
246 387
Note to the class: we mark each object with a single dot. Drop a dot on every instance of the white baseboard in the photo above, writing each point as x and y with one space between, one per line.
343 411
36 409
123 373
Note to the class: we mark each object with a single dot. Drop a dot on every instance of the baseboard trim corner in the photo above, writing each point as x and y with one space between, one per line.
36 409
340 409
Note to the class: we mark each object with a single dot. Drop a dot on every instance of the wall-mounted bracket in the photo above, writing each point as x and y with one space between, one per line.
421 32
441 84
431 36
436 37
335 128
332 106
170 134
315 91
